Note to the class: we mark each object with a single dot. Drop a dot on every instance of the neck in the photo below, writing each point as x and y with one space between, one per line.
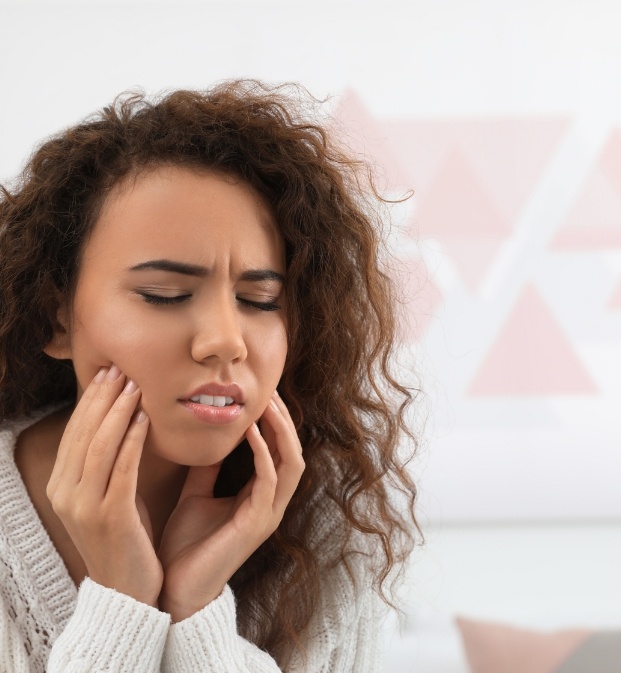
159 485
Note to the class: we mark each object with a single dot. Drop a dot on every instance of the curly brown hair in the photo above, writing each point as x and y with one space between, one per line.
349 409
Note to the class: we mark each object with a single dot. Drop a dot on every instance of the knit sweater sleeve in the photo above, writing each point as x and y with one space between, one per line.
109 631
341 638
112 632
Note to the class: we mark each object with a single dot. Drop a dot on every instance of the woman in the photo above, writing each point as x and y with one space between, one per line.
200 427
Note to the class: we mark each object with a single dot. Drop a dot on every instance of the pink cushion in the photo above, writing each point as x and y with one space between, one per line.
498 648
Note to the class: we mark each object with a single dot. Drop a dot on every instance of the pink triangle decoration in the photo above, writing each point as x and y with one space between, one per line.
473 258
594 222
459 212
458 204
509 155
531 356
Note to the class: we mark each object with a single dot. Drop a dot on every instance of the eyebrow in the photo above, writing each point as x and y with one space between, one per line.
172 266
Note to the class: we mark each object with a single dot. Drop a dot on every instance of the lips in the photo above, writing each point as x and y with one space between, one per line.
219 390
217 414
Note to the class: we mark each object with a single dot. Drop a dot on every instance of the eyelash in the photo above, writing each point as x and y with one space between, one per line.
159 301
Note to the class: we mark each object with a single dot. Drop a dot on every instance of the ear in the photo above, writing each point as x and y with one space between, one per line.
60 345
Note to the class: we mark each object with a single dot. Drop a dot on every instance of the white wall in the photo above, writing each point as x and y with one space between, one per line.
527 91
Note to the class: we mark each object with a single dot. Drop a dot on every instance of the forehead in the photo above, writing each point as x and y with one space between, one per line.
195 215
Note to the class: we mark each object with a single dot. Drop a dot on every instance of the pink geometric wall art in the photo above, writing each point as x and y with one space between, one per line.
509 155
473 258
486 197
594 222
531 356
459 205
460 212
471 180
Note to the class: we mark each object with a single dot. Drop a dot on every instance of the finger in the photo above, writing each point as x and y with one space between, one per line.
75 425
78 441
267 432
282 407
124 477
264 486
277 418
104 448
291 465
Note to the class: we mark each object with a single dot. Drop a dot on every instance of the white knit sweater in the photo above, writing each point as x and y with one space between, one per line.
46 624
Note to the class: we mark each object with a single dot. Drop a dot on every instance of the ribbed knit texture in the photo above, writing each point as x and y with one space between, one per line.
48 626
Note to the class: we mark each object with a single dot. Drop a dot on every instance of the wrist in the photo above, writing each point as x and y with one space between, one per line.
176 611
180 610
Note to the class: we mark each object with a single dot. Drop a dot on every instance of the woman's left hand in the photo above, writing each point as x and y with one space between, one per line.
207 539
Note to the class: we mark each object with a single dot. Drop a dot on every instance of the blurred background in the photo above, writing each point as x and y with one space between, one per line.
504 118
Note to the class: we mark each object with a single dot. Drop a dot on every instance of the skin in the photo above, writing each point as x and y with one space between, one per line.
135 361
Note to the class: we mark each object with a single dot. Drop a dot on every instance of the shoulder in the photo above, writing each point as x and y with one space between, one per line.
11 429
334 536
342 634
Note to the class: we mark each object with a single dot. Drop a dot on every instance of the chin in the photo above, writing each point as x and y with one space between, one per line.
192 451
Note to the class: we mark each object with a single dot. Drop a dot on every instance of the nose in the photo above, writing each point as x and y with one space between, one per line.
219 332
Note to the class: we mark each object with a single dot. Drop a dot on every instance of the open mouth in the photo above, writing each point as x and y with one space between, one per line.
213 400
213 409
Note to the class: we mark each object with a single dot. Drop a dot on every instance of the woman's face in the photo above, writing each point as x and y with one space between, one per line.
175 286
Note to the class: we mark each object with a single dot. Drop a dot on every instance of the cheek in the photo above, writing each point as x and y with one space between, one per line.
272 353
105 336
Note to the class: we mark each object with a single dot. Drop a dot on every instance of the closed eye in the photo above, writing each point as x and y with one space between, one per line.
261 305
159 299
162 300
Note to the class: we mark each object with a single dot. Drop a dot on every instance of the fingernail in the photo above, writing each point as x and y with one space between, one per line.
113 373
276 393
141 417
256 427
130 387
274 406
101 375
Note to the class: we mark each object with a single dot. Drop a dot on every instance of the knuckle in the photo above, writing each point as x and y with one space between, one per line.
119 408
83 433
107 389
102 393
90 393
50 491
123 466
59 504
98 446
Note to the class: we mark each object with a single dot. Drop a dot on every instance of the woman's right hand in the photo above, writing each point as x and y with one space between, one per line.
93 488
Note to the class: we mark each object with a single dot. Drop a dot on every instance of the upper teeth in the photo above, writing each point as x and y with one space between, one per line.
212 400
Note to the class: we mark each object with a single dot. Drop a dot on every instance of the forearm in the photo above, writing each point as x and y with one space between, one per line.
110 631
